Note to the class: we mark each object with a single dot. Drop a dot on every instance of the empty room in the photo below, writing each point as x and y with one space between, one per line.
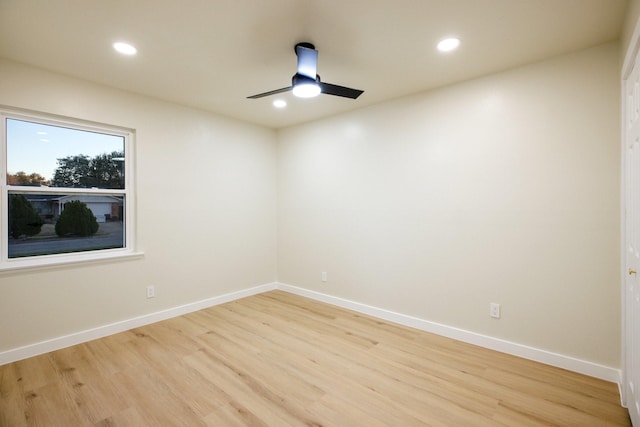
327 213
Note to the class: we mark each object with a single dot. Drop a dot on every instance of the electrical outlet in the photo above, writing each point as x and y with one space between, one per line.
494 310
151 291
324 276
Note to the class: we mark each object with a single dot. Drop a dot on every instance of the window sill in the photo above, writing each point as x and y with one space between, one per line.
57 261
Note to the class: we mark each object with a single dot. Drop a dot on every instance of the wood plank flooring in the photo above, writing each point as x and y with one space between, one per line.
278 359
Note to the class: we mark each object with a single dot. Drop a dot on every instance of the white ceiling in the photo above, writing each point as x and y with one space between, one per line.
212 54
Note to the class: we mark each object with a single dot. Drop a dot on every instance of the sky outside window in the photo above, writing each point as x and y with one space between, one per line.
35 147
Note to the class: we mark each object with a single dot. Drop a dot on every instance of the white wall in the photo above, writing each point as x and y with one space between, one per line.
218 171
503 189
633 12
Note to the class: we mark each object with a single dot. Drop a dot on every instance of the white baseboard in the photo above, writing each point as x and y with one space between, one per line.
554 359
124 325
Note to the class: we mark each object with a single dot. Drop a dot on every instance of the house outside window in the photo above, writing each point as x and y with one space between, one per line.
67 191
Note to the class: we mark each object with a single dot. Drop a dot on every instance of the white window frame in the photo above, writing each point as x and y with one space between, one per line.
128 192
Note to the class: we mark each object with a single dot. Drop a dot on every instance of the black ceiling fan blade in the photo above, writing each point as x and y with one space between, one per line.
272 92
336 90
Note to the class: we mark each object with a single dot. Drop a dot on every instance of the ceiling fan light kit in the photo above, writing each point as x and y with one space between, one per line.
306 82
304 87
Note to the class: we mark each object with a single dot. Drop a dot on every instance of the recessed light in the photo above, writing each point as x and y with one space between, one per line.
279 103
41 133
125 48
447 45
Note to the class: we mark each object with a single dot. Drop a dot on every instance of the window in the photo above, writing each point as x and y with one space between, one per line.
67 191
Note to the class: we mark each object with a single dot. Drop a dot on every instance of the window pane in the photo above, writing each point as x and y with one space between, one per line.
44 224
40 154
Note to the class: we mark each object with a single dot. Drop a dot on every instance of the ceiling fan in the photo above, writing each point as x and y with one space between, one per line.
306 83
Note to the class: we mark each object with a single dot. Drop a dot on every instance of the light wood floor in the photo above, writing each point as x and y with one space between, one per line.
277 359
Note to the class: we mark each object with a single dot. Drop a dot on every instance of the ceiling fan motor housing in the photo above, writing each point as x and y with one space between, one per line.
299 79
305 45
